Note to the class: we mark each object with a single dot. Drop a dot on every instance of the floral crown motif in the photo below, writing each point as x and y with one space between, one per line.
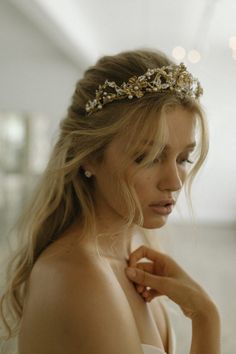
173 78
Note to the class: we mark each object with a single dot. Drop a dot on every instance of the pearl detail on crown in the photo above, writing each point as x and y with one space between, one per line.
174 78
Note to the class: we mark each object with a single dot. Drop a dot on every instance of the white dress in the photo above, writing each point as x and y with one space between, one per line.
151 349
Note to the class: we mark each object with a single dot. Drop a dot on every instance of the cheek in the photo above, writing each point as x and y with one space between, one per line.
111 190
183 173
142 186
106 185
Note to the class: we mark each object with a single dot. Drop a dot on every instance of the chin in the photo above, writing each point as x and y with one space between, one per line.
155 224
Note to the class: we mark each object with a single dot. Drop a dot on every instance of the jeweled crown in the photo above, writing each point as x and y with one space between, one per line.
175 78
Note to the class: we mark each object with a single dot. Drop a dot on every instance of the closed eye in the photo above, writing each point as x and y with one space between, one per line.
160 159
186 161
186 158
141 157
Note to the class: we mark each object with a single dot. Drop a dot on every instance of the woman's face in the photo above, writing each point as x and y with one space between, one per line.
162 180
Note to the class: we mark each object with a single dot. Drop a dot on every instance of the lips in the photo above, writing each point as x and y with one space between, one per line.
163 207
164 202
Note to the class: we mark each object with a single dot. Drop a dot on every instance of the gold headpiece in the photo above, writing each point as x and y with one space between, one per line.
173 77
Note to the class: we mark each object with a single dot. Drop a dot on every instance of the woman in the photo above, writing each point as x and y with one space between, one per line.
121 159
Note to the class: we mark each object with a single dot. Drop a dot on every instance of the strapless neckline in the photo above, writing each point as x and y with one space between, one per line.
151 349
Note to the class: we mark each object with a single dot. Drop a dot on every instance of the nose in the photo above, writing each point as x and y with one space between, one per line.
170 178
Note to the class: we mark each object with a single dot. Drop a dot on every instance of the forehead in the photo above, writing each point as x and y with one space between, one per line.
180 125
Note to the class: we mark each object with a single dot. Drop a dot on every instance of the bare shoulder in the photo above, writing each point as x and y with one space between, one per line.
76 307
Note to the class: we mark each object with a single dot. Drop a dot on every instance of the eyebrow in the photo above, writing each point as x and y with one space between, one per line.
191 145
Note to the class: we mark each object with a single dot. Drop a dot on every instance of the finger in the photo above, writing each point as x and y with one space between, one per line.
161 260
151 294
142 252
163 263
140 288
161 284
146 266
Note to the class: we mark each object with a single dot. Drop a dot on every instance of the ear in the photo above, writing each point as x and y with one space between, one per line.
87 166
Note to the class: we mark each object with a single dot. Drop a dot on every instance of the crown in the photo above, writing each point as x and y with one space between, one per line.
173 78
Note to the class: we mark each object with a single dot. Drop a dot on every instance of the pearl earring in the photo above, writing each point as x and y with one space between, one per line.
88 174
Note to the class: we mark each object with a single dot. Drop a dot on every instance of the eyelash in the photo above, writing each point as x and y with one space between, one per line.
157 160
188 161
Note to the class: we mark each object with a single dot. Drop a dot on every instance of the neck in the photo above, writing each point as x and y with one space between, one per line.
113 245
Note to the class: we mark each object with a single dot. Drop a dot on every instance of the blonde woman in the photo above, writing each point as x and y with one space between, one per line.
124 152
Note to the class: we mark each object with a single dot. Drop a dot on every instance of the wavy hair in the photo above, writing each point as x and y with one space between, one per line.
63 194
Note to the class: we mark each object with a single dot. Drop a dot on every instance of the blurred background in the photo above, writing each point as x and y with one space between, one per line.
45 46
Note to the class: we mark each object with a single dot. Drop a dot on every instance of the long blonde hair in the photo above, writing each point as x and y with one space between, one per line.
63 194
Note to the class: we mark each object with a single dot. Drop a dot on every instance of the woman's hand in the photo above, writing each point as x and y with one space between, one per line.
165 277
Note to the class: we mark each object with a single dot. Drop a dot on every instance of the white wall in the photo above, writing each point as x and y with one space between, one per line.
207 253
35 75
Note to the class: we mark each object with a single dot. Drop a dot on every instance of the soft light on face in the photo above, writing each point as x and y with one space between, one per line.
161 180
164 178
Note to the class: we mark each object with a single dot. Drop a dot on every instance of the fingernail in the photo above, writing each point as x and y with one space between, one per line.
140 288
131 272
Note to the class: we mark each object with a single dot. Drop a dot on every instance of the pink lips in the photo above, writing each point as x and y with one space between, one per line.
163 202
163 207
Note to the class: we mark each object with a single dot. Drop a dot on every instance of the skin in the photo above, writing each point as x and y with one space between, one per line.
164 179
